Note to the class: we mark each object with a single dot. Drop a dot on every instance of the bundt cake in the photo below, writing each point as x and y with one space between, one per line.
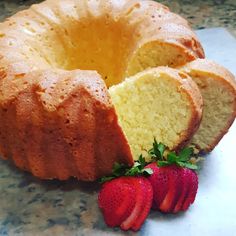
160 103
57 121
218 88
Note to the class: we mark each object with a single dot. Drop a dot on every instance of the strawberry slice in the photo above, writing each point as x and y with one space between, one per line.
174 188
185 182
159 182
193 186
116 200
147 202
137 184
179 187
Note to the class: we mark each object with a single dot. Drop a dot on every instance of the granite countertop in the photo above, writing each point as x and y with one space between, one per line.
29 206
200 13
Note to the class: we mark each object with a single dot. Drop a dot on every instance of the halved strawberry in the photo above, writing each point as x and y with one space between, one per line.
126 202
116 200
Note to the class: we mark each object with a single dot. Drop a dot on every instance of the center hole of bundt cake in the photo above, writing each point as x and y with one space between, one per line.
100 44
115 45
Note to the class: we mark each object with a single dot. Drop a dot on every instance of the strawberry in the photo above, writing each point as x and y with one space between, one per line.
174 188
174 184
126 202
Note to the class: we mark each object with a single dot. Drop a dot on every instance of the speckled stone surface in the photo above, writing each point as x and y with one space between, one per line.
29 206
200 13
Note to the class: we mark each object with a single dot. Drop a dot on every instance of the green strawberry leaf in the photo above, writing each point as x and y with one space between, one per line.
133 171
172 157
105 179
141 161
118 169
161 148
191 166
157 150
122 170
185 154
187 165
182 159
162 163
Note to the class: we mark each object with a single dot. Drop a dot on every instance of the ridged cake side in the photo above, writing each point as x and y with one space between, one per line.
218 88
58 124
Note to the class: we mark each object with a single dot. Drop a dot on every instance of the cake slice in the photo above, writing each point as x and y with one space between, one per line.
218 89
160 102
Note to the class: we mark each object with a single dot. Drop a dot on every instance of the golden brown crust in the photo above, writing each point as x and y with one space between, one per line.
202 68
210 67
148 21
155 22
197 106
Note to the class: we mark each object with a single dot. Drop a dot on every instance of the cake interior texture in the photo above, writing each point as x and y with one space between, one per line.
151 105
155 54
219 102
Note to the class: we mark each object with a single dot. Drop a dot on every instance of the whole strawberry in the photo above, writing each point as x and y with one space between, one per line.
174 182
126 202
